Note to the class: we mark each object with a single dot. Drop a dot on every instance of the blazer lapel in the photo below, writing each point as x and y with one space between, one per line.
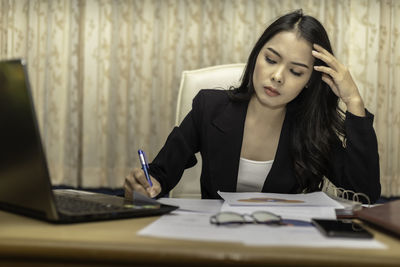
281 176
225 142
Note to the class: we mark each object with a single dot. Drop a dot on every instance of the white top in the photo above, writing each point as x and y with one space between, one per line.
252 175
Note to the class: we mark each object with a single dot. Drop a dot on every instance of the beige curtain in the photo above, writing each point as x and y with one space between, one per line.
105 74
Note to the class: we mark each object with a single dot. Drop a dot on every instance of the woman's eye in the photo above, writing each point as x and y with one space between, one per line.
296 73
270 61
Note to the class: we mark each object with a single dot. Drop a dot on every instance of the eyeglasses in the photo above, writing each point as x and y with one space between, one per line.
232 218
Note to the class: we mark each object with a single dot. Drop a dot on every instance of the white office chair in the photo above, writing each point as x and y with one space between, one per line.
216 77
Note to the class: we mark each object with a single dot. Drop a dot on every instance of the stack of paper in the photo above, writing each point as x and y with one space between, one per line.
192 221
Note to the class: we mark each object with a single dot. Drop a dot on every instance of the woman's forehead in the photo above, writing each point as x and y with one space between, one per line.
289 45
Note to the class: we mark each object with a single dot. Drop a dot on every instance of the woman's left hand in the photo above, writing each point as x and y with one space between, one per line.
339 79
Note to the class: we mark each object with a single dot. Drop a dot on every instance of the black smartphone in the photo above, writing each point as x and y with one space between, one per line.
341 228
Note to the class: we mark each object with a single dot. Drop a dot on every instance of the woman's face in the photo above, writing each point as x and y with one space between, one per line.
283 68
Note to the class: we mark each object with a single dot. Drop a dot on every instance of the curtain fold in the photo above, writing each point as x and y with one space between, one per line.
105 74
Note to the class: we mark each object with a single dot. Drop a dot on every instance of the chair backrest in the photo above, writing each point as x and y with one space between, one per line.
216 77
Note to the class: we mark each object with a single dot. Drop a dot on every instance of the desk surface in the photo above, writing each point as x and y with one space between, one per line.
27 242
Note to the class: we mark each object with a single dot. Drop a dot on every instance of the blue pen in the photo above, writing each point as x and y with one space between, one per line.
145 165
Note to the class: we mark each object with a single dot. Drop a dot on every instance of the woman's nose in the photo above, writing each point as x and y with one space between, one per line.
277 76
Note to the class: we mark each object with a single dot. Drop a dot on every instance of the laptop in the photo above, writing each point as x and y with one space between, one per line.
25 183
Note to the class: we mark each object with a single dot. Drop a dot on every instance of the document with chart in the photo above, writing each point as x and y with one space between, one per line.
315 199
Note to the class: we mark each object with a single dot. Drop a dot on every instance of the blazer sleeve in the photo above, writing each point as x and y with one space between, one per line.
178 152
356 162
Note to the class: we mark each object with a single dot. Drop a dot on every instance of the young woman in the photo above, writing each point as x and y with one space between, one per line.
281 130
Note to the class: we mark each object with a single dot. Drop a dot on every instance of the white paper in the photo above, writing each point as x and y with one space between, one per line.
191 226
294 213
196 226
308 237
194 205
284 200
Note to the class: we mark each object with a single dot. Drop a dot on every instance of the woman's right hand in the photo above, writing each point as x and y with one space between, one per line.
136 181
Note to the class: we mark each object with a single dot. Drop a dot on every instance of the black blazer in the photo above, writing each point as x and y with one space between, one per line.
214 127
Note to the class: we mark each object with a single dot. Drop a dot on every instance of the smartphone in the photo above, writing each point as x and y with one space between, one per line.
341 228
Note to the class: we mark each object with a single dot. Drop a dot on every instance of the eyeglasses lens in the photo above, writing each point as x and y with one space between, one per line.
228 217
265 217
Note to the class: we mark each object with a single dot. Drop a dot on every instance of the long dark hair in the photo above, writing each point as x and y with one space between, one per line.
317 120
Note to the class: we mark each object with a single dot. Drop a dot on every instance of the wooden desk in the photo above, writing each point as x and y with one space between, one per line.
28 242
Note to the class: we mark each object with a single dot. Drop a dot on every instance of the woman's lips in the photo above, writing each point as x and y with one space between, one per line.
271 91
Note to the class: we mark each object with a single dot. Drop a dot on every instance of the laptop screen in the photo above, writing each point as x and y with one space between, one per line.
24 179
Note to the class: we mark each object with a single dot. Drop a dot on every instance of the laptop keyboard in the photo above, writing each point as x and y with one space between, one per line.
78 205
